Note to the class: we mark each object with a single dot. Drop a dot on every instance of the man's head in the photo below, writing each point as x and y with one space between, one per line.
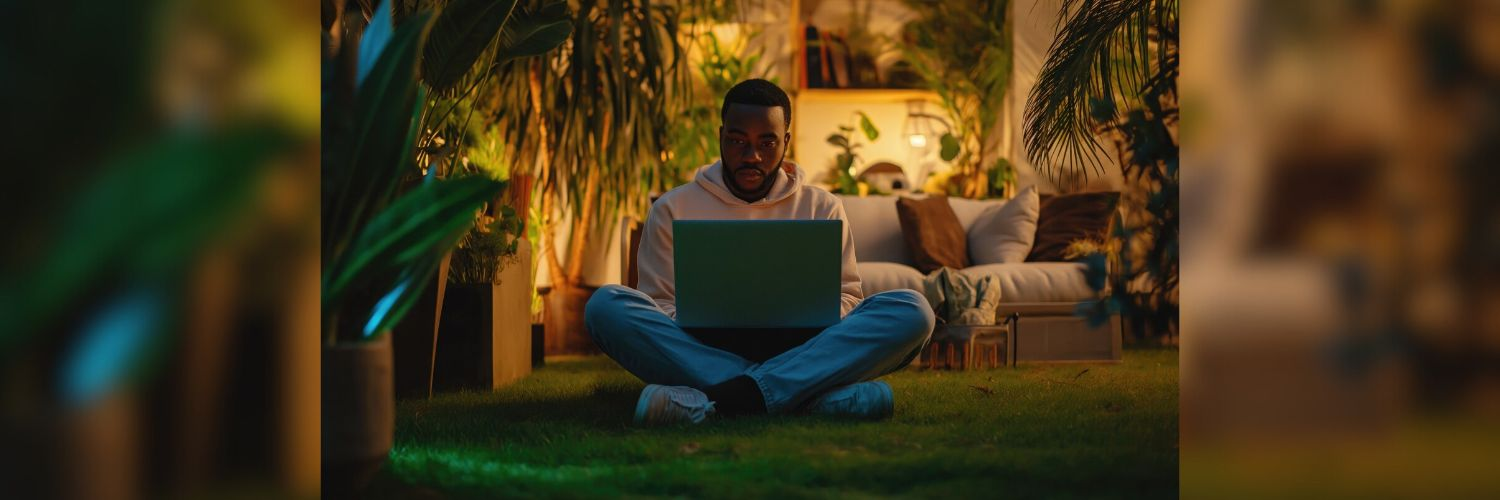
753 137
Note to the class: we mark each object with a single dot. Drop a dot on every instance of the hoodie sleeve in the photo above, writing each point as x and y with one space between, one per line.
851 293
654 259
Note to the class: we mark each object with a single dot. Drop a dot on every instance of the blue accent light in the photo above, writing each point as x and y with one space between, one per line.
383 308
108 347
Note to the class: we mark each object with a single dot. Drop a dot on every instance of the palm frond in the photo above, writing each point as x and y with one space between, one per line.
1101 56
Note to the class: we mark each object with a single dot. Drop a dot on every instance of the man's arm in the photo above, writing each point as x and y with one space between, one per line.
654 261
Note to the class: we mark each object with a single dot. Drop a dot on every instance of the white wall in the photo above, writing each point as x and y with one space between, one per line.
601 257
818 113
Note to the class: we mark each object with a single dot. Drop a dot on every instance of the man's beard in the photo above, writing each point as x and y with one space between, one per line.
766 183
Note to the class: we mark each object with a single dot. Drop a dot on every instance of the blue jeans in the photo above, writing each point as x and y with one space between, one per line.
881 335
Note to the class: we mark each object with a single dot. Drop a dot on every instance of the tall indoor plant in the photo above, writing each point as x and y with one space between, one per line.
592 121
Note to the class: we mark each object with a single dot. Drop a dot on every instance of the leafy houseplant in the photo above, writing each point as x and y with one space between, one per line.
962 50
841 172
385 229
485 326
1112 55
486 248
380 245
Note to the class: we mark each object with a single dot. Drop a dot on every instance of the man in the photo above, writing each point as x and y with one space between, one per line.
692 374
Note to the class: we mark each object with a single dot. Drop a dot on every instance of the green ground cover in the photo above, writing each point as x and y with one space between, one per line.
1046 430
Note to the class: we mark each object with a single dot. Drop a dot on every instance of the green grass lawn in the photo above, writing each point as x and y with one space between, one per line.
1047 430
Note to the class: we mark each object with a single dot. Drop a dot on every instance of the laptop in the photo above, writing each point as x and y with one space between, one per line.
757 274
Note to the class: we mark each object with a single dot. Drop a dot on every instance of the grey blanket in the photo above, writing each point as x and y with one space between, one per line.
961 300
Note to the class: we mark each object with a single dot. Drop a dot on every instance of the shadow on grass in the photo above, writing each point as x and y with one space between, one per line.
585 396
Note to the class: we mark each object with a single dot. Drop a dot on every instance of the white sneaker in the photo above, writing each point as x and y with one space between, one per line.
661 404
868 400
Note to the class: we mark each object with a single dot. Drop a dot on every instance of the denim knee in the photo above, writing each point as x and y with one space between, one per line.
604 304
915 318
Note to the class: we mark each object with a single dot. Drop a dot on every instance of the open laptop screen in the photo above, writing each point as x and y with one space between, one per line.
757 273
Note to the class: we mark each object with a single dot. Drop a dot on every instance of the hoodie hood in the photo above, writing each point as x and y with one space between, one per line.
786 183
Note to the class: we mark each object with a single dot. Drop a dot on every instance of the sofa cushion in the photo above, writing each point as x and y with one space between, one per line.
1005 232
933 233
879 277
1067 218
876 229
1028 282
969 211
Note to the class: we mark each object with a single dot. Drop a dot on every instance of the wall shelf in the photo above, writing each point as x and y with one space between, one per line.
865 95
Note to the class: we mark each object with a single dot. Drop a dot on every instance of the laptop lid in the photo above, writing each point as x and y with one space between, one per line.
757 273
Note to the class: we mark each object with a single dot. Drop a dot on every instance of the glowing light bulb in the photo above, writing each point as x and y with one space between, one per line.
917 140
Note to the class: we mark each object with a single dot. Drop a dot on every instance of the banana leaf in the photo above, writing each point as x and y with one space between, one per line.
460 34
530 34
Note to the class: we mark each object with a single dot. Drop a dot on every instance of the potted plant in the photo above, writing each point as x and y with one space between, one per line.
840 173
386 224
485 336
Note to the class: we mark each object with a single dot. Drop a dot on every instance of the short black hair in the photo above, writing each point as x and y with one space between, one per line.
758 92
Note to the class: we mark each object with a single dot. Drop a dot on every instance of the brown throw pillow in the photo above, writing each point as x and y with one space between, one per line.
1066 218
933 234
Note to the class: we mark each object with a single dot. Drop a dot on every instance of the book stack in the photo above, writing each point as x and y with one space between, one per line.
828 62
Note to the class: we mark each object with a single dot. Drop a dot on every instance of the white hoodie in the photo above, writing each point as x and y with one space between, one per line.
707 197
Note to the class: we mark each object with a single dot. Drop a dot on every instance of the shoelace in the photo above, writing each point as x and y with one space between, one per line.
659 413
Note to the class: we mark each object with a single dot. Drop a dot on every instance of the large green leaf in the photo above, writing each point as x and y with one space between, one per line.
530 34
460 34
950 147
143 216
412 232
838 140
361 180
869 128
373 41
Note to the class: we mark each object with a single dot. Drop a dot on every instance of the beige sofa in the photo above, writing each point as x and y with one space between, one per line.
1044 294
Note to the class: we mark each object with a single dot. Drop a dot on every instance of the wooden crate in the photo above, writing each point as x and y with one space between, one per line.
971 347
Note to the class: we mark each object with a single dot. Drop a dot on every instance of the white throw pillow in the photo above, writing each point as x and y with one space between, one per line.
876 277
1005 233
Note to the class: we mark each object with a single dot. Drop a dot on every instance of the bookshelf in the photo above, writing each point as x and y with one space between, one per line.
860 95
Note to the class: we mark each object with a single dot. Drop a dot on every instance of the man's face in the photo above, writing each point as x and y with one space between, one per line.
752 142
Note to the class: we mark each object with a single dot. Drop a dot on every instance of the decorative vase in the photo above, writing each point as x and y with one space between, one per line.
359 414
